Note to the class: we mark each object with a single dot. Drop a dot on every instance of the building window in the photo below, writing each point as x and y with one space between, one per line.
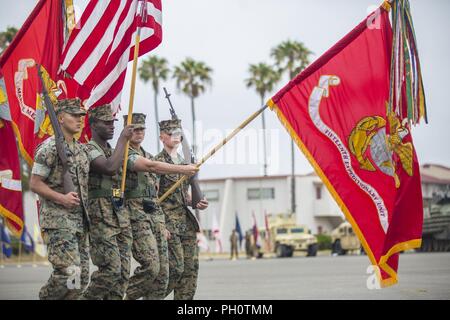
253 194
260 193
318 191
211 195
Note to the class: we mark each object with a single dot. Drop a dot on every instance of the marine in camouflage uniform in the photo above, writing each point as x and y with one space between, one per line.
151 277
110 230
182 225
64 230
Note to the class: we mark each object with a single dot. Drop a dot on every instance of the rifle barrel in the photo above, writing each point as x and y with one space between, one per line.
59 137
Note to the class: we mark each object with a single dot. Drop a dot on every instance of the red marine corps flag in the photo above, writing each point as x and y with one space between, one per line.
38 42
11 207
339 112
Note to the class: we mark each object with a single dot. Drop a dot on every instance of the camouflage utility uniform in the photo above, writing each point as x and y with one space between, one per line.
150 278
182 225
64 230
110 231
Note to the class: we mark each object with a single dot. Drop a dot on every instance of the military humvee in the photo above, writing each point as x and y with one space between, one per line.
344 239
436 227
285 236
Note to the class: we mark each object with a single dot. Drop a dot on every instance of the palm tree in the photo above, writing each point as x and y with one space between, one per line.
6 37
291 57
263 78
192 79
154 69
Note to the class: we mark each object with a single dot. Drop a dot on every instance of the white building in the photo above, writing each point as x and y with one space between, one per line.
314 205
435 182
259 195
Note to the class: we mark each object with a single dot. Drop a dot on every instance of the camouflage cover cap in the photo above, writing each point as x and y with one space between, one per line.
170 126
103 113
72 106
138 119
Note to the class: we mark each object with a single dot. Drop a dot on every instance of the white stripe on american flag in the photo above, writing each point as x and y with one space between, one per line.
102 70
102 45
102 88
116 102
124 27
145 32
154 12
84 33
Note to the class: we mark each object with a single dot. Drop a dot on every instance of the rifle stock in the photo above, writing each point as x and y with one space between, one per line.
196 192
59 137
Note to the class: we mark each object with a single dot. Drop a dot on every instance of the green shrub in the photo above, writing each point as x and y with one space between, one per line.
324 242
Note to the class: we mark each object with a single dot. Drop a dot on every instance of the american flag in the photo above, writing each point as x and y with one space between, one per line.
99 48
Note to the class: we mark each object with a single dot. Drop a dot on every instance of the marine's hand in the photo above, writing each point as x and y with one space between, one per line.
70 200
190 169
127 132
202 204
167 234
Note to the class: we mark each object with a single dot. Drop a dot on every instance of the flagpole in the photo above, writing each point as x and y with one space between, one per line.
20 254
132 91
213 151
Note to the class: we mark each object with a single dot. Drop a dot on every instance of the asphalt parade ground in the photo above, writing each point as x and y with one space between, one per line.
421 276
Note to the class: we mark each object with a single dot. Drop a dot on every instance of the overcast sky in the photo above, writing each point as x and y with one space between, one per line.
228 35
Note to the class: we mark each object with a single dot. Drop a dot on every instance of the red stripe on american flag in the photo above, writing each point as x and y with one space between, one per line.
109 60
152 42
92 41
106 75
85 16
113 91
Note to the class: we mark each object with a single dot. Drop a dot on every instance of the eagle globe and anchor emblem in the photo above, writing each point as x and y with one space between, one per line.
376 142
42 124
370 137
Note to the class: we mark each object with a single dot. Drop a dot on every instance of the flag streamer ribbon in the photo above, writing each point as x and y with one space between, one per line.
406 75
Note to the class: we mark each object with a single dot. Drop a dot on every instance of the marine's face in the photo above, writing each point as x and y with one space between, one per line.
104 129
72 123
172 139
138 136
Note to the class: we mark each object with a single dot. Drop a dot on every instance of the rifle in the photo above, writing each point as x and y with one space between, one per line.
188 156
59 138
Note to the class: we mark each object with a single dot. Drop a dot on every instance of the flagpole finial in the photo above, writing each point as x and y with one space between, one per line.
143 12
